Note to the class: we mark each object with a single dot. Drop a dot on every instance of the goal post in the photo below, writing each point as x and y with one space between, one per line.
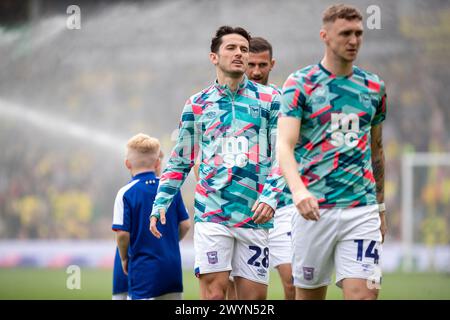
409 162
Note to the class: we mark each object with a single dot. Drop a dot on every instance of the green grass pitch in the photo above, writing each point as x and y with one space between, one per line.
23 283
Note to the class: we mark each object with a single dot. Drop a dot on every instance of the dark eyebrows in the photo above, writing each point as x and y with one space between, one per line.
261 64
350 31
234 45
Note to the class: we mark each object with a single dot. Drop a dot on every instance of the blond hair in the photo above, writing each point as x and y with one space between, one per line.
341 11
143 150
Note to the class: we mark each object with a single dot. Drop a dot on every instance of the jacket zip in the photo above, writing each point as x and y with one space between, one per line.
232 105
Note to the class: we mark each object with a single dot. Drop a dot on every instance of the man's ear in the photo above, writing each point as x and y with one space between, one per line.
323 34
272 64
213 58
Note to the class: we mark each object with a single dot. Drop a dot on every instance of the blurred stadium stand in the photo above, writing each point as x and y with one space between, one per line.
14 12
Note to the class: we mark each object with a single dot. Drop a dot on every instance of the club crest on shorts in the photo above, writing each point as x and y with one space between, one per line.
212 257
308 273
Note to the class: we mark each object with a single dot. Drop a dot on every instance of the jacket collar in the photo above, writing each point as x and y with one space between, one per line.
225 90
149 175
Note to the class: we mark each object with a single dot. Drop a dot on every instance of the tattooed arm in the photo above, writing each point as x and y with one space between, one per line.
378 170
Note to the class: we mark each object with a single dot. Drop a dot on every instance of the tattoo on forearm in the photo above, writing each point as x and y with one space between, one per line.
378 168
378 172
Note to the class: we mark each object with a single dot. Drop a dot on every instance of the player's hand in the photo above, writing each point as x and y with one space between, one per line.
307 205
262 212
383 226
125 266
154 220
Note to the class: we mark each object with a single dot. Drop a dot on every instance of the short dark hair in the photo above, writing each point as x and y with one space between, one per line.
223 31
341 11
258 45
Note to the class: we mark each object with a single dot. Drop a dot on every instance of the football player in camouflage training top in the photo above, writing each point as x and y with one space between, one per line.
230 125
331 154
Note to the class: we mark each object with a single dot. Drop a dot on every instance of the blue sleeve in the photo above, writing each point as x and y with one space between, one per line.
121 220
